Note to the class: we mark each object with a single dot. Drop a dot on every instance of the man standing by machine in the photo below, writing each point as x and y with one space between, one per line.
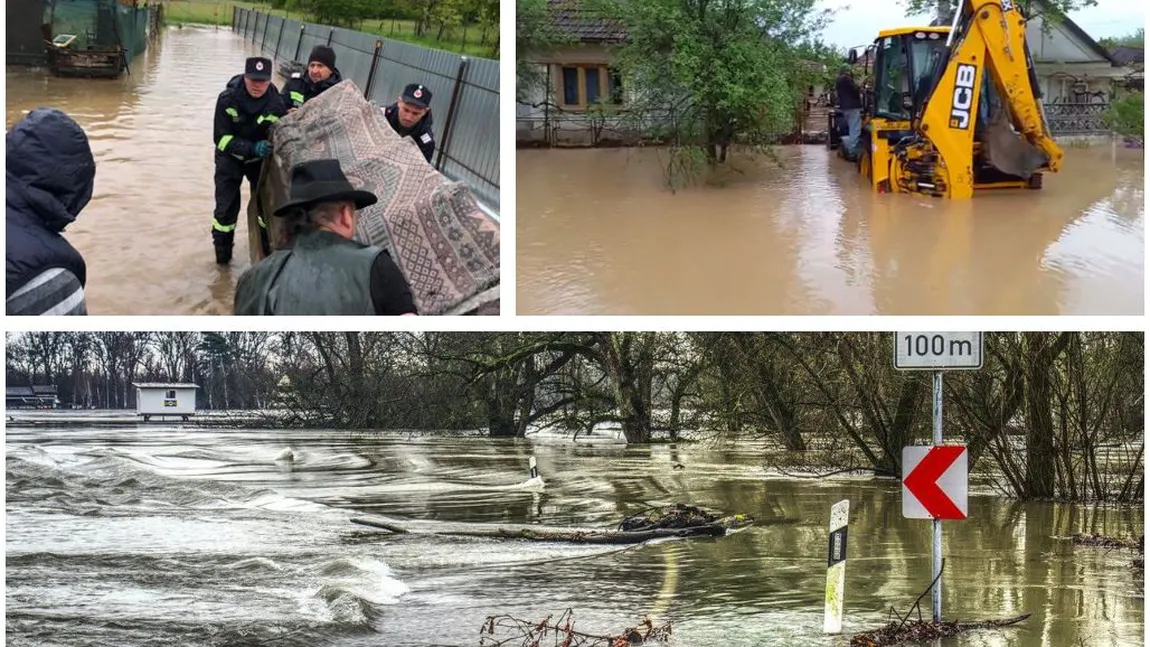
245 112
849 101
410 116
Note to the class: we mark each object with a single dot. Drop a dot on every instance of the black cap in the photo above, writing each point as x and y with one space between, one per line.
417 95
258 68
322 54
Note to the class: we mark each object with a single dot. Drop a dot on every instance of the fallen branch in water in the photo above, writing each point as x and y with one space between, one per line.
514 631
1102 541
920 630
905 630
567 535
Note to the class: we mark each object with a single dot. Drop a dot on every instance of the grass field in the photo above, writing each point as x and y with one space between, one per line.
219 12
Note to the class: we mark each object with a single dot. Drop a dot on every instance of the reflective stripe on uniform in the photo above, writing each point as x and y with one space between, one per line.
224 228
232 111
268 118
224 141
260 219
296 96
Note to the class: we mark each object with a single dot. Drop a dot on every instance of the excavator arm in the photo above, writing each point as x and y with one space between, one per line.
989 37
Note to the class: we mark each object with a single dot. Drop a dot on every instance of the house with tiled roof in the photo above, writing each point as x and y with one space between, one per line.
1071 66
582 94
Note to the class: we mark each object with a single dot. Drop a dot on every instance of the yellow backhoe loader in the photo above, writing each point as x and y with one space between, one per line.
955 110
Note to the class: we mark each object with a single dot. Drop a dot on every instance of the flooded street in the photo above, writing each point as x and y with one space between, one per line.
146 233
599 233
121 534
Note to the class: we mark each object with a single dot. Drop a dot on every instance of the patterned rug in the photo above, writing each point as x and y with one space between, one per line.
445 245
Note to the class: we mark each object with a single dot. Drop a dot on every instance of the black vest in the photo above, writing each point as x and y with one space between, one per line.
322 273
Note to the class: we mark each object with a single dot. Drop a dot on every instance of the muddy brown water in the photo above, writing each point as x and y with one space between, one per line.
133 534
146 233
599 233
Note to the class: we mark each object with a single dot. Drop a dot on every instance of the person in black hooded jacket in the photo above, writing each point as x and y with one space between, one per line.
50 175
321 74
245 112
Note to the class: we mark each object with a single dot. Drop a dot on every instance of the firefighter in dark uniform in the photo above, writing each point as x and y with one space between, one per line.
321 74
245 112
410 116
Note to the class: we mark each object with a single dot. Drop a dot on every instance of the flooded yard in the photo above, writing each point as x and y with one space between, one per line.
599 233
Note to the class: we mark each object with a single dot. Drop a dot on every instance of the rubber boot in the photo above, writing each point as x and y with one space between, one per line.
223 254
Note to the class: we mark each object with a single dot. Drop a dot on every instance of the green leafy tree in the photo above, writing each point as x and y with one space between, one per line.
1049 8
1135 39
1126 115
535 34
338 12
708 73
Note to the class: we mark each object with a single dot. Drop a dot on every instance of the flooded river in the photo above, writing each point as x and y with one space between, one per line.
135 535
599 233
146 233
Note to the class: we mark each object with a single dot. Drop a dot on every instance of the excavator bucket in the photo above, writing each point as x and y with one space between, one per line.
1008 151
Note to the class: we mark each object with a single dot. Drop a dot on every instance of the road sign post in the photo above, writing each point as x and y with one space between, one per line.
935 478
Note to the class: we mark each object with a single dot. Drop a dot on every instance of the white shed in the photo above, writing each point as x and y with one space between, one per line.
159 399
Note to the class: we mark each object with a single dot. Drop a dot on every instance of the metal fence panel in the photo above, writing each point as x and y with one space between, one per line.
353 55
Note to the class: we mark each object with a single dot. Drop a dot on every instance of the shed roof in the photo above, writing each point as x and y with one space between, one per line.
18 392
164 385
1126 55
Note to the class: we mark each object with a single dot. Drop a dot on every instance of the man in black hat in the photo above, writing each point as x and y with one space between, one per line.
324 271
321 74
410 116
245 112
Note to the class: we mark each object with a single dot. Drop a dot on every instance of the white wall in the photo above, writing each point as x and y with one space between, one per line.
1057 45
151 402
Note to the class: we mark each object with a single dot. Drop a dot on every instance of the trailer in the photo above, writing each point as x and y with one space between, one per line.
163 400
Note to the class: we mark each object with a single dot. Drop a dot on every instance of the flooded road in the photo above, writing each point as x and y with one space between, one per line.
599 233
133 534
146 233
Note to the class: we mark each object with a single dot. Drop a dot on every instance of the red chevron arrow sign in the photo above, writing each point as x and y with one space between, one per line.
934 481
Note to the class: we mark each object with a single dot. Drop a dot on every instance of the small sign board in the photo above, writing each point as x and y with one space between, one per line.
937 351
934 482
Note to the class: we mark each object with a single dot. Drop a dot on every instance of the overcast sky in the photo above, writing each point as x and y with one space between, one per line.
859 21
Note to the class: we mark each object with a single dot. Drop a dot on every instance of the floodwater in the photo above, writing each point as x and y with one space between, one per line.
129 534
146 234
599 233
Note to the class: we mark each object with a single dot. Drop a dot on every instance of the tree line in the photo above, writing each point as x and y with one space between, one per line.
432 18
1052 414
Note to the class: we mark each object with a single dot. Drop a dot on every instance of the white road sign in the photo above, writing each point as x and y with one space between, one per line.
934 482
937 351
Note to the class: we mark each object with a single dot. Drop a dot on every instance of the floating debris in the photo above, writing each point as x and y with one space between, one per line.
679 515
1102 541
920 630
506 630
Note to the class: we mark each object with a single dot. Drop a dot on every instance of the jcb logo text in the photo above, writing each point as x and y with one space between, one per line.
963 98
